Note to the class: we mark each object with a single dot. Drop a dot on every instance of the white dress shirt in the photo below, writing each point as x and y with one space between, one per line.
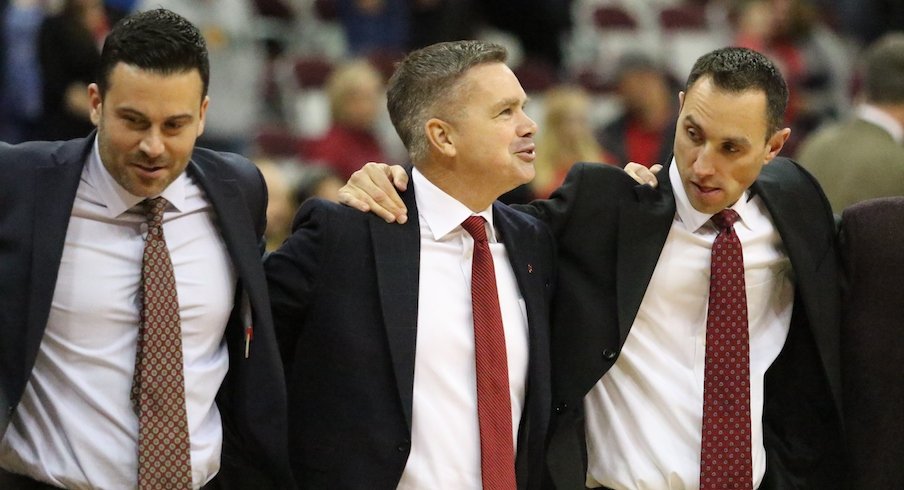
445 438
75 426
644 417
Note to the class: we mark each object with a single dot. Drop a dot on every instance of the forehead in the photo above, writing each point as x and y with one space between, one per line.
491 81
722 111
129 84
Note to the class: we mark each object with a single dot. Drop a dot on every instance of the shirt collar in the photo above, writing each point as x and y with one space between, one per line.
874 115
118 200
694 219
442 212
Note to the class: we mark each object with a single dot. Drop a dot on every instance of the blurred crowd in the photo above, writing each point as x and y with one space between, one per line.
298 85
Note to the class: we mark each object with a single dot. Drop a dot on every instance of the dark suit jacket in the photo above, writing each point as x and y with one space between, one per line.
610 232
38 182
344 289
872 347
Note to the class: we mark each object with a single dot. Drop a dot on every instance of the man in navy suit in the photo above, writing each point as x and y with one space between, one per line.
630 313
71 241
374 320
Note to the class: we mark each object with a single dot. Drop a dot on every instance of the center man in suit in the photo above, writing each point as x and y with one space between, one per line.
375 320
630 314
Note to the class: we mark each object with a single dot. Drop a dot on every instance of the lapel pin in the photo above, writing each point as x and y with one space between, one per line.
530 269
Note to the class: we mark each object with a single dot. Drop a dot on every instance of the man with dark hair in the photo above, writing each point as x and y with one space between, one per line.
695 337
863 157
417 355
132 288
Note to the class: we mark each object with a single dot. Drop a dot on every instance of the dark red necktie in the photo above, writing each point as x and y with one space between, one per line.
494 406
158 387
725 457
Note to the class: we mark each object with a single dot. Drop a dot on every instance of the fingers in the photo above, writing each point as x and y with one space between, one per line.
642 174
370 189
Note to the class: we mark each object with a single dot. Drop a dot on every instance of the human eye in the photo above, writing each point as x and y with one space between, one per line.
692 133
174 125
134 121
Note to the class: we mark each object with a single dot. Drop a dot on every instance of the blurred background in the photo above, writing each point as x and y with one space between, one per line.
298 85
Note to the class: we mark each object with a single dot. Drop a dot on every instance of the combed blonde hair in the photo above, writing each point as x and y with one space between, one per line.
557 150
346 78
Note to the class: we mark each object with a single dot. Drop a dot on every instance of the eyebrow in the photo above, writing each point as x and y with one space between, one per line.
735 140
133 112
510 101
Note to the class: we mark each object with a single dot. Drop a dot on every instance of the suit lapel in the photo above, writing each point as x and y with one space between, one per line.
56 183
791 230
235 221
397 255
644 223
523 261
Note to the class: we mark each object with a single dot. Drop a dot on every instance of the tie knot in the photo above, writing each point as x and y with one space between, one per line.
474 226
153 210
725 219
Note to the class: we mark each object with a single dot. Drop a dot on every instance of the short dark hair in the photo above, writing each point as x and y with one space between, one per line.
156 40
741 69
884 75
425 82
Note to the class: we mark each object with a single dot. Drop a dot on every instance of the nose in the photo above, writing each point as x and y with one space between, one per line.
152 143
528 127
703 162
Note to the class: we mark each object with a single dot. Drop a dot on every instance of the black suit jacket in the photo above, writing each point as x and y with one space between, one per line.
38 182
610 232
344 289
872 348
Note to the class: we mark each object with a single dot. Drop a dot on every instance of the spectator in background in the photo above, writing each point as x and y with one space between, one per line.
20 71
355 91
525 19
434 21
236 68
812 58
646 129
374 25
316 181
863 157
280 202
566 138
867 20
69 55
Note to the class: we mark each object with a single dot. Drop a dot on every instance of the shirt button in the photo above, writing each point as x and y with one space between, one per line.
609 354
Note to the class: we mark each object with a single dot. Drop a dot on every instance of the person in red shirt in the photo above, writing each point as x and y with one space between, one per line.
644 132
356 93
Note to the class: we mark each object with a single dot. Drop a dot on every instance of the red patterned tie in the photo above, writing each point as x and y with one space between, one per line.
158 387
494 407
725 457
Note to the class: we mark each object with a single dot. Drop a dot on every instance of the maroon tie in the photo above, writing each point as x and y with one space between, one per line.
494 407
725 457
158 387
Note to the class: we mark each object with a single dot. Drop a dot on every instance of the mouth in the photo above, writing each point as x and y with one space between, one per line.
149 171
704 190
527 152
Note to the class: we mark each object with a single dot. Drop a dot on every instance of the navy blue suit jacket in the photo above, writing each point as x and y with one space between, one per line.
344 289
38 182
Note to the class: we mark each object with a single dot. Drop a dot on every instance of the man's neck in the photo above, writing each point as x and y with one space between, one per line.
462 189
